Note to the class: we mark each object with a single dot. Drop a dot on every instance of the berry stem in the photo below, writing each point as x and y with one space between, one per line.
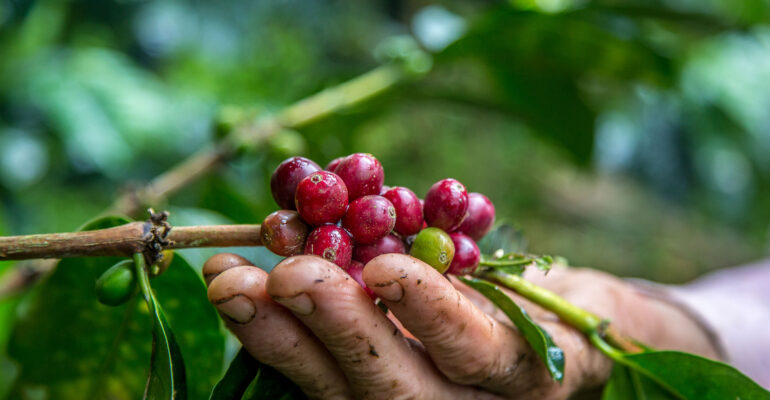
505 263
584 321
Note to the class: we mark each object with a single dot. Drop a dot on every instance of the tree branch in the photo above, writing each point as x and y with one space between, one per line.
124 240
246 133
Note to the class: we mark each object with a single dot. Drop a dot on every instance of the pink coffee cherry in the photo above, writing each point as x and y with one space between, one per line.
387 244
480 218
321 198
446 205
467 255
283 183
408 210
362 173
369 218
356 271
332 243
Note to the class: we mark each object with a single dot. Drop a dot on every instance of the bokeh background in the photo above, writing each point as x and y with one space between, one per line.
629 136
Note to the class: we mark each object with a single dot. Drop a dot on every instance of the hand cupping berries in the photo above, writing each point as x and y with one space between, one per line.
346 215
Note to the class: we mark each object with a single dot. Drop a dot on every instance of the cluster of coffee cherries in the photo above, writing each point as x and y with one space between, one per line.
346 215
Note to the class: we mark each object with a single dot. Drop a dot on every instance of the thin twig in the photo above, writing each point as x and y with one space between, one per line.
124 240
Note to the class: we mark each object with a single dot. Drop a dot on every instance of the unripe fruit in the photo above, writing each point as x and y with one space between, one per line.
446 204
321 198
284 233
434 247
117 284
283 183
221 262
467 255
369 218
159 267
332 243
480 218
362 173
385 245
332 165
408 210
356 270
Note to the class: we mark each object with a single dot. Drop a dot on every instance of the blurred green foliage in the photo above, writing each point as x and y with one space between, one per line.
631 136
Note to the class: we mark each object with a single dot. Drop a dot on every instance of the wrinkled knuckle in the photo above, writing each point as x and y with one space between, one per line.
393 389
473 368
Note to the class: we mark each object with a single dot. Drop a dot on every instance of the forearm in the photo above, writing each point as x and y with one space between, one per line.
735 304
646 315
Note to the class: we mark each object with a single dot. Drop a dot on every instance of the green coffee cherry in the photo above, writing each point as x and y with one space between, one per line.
434 247
117 284
162 265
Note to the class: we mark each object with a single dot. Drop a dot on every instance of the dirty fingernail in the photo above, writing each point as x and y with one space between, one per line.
239 308
301 304
390 291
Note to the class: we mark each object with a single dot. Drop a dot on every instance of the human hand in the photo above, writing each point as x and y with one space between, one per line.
441 339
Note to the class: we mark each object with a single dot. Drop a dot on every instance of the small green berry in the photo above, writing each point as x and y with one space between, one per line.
434 247
117 284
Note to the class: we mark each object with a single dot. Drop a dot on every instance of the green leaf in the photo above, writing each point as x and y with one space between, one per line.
538 338
627 384
104 222
182 293
92 351
695 378
248 379
241 372
167 374
271 385
504 237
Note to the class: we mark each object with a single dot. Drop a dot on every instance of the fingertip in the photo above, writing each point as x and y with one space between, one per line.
295 275
241 280
390 276
221 262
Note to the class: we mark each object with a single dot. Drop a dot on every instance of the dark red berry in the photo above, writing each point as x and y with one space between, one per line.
356 271
408 210
388 244
467 255
446 204
369 218
321 198
480 218
332 165
362 173
284 233
285 178
332 243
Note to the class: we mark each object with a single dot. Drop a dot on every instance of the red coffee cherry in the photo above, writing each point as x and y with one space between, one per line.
467 255
283 183
332 243
369 218
332 165
388 244
408 210
284 233
362 173
356 271
321 198
480 218
446 205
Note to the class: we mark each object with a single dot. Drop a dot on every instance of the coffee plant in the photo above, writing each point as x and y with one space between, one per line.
113 295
